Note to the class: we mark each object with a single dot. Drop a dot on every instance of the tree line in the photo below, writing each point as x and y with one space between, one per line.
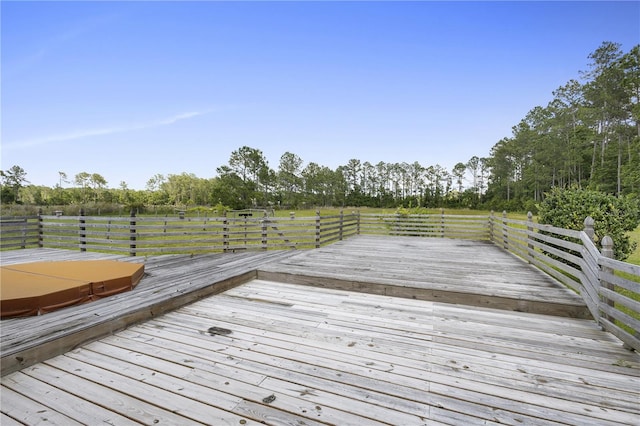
588 136
247 181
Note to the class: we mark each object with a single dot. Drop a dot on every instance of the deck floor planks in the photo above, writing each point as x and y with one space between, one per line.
180 323
8 421
230 374
336 357
584 334
466 396
80 409
120 402
407 387
430 269
169 282
392 396
24 410
509 318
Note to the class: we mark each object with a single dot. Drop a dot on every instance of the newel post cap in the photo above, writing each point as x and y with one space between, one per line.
607 246
588 227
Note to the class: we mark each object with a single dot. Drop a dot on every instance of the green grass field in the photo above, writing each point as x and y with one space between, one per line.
635 256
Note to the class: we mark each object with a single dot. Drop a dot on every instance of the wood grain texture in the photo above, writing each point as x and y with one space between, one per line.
207 340
301 355
439 269
170 282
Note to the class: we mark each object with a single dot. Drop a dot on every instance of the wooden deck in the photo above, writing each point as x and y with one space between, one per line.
169 282
438 269
319 349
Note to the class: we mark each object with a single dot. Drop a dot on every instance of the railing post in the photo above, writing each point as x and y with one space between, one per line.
225 232
505 231
132 233
341 224
530 247
588 227
82 234
491 223
24 233
441 222
607 251
317 228
40 229
357 222
264 231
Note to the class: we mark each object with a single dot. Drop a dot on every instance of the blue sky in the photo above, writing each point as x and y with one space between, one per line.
131 89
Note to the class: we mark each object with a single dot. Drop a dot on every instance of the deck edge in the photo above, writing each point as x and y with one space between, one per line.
577 311
12 361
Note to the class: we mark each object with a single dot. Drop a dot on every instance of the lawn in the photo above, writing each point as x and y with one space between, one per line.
635 256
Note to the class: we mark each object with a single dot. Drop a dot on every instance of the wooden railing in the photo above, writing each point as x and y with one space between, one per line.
19 232
135 235
426 225
610 288
146 235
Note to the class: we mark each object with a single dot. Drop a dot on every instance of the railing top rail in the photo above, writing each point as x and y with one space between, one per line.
555 230
619 265
394 215
3 218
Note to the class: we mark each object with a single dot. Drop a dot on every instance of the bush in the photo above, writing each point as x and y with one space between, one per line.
568 208
405 212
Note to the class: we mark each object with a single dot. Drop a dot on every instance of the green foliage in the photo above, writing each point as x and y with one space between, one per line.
11 181
404 211
215 211
7 195
613 216
588 135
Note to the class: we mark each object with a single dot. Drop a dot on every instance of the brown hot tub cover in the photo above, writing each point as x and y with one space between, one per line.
41 287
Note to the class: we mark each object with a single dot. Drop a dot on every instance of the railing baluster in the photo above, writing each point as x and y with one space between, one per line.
530 247
317 242
132 233
264 223
82 233
607 251
505 231
225 232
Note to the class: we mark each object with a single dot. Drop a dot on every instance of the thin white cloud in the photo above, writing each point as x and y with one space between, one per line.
179 117
80 134
49 45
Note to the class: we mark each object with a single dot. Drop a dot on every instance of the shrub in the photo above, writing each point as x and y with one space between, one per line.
613 216
405 212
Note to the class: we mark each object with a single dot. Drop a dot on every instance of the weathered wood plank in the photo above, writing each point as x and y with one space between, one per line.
8 421
284 353
76 408
169 283
30 412
107 393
